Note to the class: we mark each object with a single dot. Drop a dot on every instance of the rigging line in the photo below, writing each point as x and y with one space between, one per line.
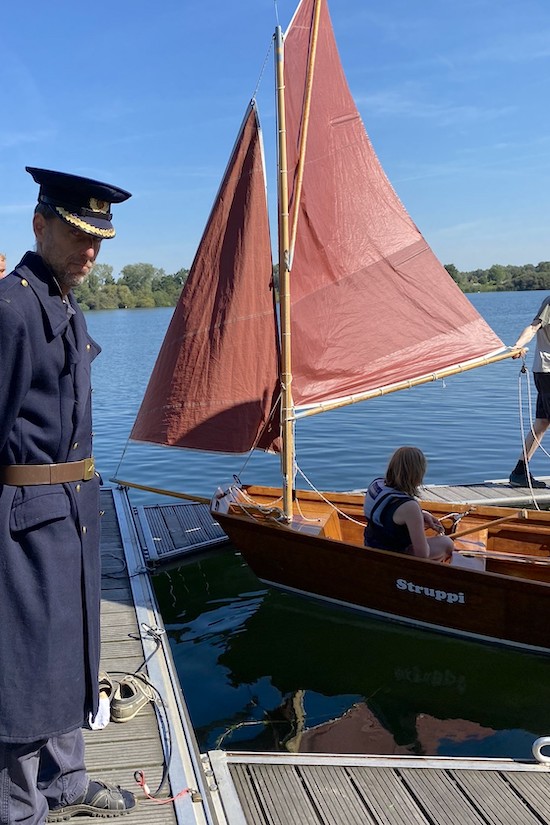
312 519
326 500
524 371
262 70
258 437
537 440
122 456
250 505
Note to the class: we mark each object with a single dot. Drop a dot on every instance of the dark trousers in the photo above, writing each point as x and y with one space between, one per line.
37 776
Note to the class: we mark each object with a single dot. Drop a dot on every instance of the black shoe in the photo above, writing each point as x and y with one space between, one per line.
100 799
522 480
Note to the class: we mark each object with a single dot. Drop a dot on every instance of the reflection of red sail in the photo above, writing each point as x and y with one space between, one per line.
371 305
358 730
214 382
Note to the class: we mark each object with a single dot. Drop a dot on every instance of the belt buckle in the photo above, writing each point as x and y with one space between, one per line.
89 469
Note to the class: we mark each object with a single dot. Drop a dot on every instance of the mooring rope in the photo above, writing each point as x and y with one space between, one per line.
524 371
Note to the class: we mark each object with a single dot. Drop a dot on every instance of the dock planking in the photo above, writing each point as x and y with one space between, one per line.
160 733
499 493
171 531
331 789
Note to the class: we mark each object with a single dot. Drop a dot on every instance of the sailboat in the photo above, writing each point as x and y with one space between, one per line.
365 309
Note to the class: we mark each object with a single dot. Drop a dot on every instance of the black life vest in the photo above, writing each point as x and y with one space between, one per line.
381 502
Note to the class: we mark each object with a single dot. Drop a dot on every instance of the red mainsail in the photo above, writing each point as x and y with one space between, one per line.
215 380
370 303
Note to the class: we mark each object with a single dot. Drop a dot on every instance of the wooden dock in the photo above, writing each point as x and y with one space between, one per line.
498 493
227 788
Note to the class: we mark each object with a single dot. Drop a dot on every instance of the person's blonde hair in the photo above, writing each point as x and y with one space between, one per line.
406 470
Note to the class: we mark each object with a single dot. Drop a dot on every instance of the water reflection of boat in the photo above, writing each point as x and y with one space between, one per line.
400 672
270 666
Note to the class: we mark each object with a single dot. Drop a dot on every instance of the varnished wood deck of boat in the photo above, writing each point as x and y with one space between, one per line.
128 608
317 789
167 532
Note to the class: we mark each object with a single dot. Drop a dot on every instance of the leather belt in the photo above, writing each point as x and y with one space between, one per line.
22 475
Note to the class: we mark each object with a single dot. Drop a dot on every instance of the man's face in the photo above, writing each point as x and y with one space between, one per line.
2 267
68 251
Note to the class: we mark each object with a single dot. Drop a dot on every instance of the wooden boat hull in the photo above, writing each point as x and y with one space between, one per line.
497 607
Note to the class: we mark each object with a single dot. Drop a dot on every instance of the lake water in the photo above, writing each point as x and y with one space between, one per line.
264 670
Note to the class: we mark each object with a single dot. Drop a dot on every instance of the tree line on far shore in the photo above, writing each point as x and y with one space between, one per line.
138 285
502 278
143 285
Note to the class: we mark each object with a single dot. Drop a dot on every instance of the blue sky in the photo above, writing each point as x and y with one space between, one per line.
149 96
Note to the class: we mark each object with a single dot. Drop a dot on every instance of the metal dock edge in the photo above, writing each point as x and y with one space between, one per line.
184 770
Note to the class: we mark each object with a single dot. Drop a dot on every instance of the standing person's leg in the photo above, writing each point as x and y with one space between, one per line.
62 776
21 803
65 784
533 440
520 475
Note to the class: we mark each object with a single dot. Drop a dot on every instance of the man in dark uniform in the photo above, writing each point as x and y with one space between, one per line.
49 514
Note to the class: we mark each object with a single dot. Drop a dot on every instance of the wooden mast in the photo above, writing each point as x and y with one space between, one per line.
287 406
286 248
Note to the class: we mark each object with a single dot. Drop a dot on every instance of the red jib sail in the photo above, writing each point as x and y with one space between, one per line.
371 304
215 380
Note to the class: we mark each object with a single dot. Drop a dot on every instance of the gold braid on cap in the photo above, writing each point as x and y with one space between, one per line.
85 227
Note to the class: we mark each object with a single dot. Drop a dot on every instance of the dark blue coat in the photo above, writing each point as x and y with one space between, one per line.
49 534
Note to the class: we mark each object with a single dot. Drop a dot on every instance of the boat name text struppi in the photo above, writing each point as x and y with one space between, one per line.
438 595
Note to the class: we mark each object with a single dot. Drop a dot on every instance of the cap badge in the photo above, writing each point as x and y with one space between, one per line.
99 206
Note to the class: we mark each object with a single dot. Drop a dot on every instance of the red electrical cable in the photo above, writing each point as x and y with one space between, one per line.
139 777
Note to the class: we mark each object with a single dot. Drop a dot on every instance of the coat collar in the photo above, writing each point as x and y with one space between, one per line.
40 279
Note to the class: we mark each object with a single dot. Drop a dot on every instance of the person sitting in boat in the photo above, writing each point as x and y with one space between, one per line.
395 520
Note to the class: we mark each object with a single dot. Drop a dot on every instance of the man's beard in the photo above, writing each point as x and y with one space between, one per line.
66 280
69 281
